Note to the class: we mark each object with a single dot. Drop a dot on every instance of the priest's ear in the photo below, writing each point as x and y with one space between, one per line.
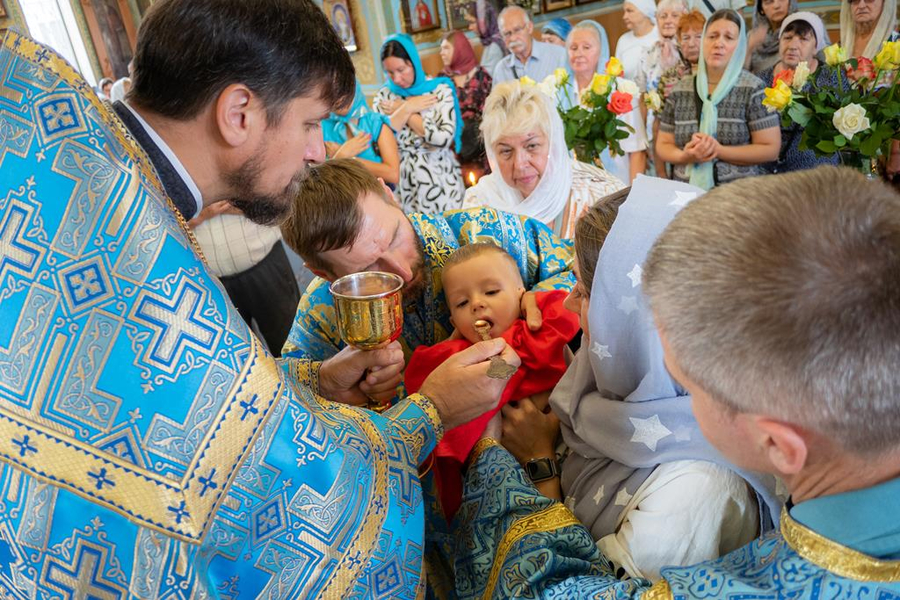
239 115
784 445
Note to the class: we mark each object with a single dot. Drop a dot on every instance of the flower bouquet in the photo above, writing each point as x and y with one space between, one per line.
592 122
857 118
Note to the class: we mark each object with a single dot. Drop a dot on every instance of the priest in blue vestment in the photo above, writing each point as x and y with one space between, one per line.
150 447
777 301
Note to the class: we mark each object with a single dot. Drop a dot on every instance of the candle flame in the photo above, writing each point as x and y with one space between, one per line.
472 178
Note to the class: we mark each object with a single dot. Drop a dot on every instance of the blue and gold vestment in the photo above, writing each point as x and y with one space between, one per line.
149 446
544 261
512 542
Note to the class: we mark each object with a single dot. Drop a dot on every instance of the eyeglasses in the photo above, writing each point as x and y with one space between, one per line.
514 31
863 1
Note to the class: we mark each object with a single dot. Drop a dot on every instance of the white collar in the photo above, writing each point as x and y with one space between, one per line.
164 148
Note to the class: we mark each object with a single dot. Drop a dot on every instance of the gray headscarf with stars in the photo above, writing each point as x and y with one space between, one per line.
621 413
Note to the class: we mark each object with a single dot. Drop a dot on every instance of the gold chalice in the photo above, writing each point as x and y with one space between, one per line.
369 309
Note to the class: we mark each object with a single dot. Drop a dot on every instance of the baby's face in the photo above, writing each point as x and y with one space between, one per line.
486 287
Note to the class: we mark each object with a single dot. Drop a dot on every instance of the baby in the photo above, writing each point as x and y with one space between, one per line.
482 283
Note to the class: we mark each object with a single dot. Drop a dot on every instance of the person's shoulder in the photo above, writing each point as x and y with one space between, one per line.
685 84
592 175
749 80
767 75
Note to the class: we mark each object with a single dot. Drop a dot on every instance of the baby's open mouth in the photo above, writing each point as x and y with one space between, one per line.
484 323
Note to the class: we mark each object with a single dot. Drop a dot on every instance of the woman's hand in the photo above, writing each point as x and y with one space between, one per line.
389 107
892 168
417 104
528 431
354 146
702 148
331 149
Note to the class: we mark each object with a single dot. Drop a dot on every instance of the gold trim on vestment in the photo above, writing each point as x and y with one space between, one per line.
660 591
180 509
427 406
834 557
479 447
556 516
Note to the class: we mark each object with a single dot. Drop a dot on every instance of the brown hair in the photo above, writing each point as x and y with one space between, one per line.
469 251
326 214
591 231
691 20
780 296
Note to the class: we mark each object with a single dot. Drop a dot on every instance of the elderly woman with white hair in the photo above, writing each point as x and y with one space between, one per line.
664 53
532 172
865 25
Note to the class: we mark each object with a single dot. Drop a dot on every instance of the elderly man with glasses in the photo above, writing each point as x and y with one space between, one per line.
528 56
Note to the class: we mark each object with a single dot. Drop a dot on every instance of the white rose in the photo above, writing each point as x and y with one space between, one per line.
653 100
627 86
548 86
850 120
801 75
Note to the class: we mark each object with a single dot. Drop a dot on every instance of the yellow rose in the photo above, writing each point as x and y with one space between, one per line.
600 84
527 81
888 58
561 76
835 55
614 67
778 97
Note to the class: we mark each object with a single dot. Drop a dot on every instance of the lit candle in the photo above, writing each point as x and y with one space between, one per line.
472 179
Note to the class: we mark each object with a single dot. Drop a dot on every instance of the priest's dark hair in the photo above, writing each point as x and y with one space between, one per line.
189 51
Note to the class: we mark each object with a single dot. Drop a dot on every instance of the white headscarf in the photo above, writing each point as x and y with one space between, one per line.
548 200
648 7
885 26
814 21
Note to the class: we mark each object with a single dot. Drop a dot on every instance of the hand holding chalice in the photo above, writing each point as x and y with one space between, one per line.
369 308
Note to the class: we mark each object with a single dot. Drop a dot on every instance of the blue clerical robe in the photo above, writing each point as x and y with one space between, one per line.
545 263
514 543
149 446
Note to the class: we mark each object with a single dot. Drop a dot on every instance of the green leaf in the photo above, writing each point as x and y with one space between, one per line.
599 145
827 147
800 114
610 129
840 141
870 145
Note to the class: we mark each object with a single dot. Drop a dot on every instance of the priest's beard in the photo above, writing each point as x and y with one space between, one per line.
413 290
265 209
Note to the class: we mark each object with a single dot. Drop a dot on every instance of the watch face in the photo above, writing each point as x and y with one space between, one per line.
540 469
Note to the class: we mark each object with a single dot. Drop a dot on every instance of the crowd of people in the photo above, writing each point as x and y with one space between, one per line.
708 68
680 386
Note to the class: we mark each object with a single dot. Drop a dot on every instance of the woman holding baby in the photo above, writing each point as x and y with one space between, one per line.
636 471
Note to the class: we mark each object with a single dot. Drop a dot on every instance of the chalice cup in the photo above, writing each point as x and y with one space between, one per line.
369 309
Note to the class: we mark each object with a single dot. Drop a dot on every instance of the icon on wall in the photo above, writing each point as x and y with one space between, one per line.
420 15
343 24
551 5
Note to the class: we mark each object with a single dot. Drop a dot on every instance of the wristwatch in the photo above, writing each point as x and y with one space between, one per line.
542 469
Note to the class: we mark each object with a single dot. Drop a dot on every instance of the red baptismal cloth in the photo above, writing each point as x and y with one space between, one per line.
542 367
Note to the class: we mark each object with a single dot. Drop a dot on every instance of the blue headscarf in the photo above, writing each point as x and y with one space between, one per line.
359 120
559 27
702 174
422 84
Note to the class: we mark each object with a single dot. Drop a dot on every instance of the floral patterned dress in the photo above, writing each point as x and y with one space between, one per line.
430 177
